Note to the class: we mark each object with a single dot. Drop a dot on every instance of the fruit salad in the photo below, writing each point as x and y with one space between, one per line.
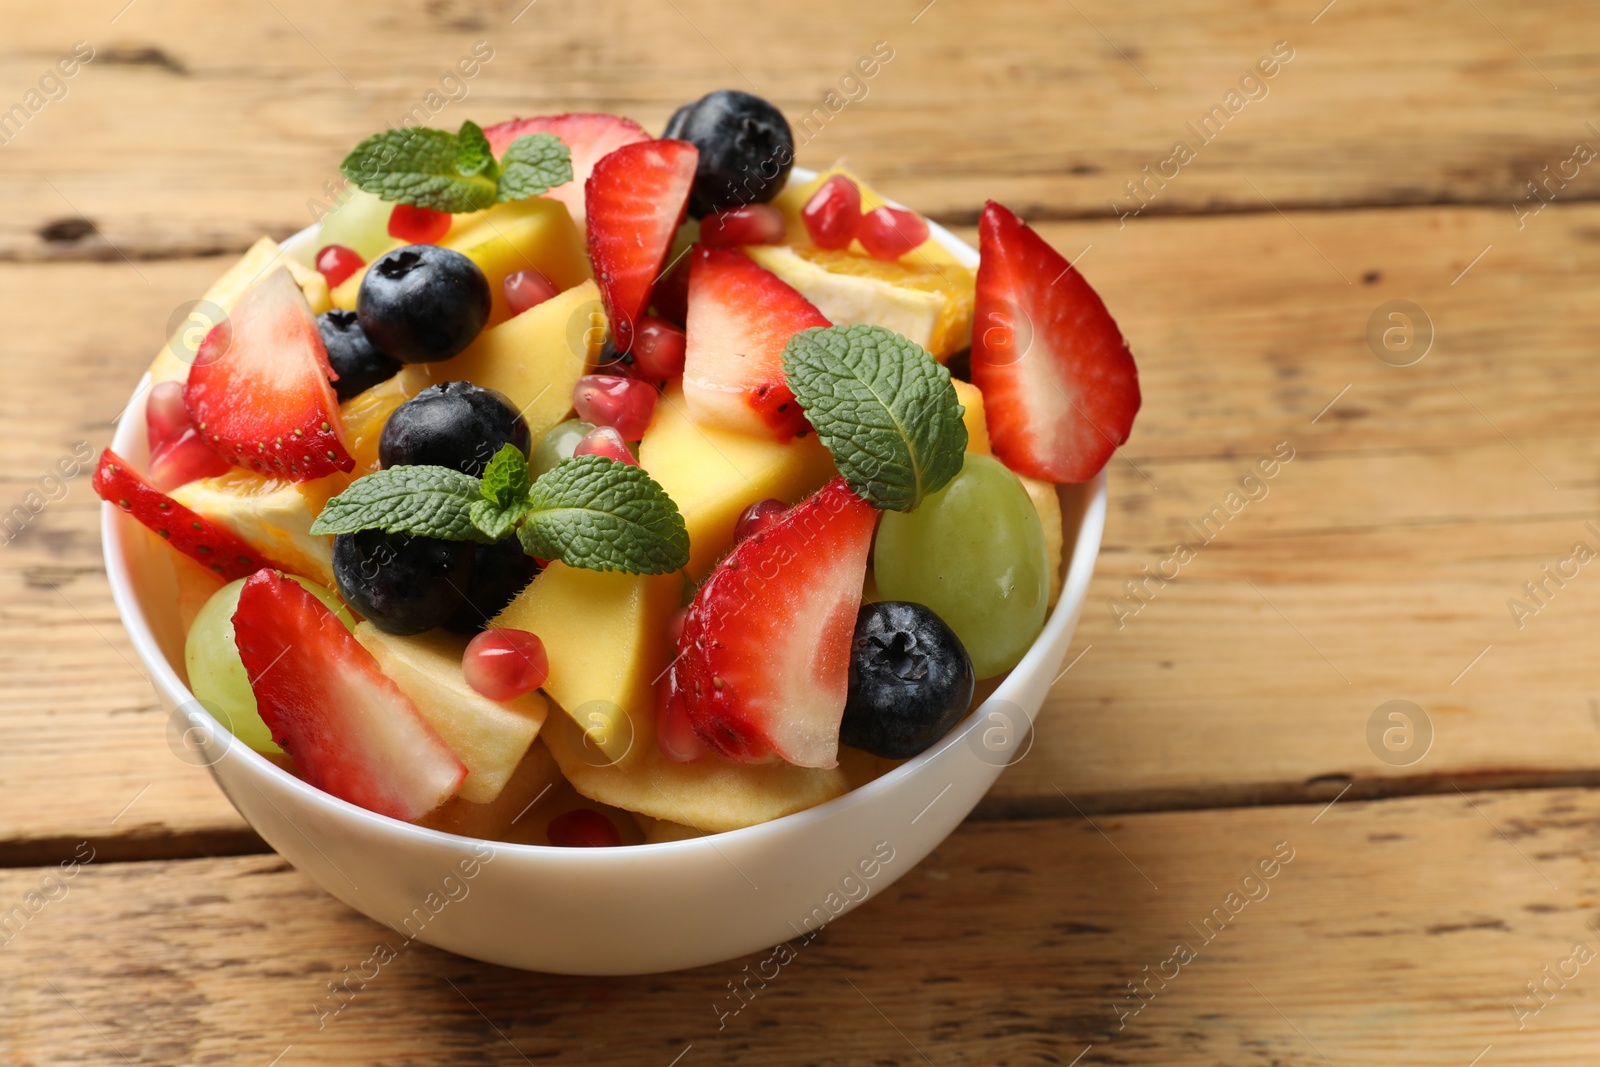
582 487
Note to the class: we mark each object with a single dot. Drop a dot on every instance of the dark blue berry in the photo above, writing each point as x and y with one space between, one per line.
454 424
746 149
910 680
402 583
499 572
352 355
423 303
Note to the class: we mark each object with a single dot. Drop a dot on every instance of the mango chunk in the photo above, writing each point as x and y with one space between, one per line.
714 474
606 636
977 424
537 234
489 736
711 794
1047 502
536 358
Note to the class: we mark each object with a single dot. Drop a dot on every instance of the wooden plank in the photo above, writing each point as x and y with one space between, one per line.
1396 932
189 133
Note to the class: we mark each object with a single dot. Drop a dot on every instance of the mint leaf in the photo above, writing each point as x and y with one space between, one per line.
473 154
419 166
596 513
533 165
426 501
883 406
505 494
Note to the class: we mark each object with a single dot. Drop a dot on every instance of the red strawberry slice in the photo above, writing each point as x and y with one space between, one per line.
636 199
588 136
198 538
258 391
351 731
740 317
764 660
1059 386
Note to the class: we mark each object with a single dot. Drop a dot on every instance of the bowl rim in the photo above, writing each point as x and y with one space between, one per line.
1058 627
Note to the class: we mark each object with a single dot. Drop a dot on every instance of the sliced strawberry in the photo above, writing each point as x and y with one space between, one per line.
636 200
588 136
764 660
189 533
740 317
350 730
259 392
1059 386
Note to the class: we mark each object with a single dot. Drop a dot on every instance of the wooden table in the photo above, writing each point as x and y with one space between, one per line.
1208 722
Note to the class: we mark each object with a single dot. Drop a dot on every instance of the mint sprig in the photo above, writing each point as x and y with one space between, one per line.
456 172
883 407
589 511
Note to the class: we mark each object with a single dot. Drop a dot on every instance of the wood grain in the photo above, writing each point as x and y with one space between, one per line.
1398 932
1376 567
191 132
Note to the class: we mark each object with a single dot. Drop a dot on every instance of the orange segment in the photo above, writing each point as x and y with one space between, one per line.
953 331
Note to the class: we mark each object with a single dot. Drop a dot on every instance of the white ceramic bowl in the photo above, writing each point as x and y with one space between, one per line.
629 910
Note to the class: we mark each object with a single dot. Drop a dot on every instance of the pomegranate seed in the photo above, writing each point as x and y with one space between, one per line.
658 349
336 262
504 664
418 225
752 224
758 517
184 459
891 232
605 441
675 735
625 403
165 417
833 214
583 828
526 289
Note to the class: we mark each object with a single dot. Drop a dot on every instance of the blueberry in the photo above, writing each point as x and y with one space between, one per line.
402 583
352 355
454 424
910 680
499 572
423 303
746 149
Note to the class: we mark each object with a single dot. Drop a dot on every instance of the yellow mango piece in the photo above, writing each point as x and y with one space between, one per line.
536 358
175 357
511 815
606 636
710 794
714 474
489 736
977 424
520 235
1047 502
269 514
794 197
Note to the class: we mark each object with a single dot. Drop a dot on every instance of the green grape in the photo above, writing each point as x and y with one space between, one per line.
217 675
360 223
557 445
974 553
